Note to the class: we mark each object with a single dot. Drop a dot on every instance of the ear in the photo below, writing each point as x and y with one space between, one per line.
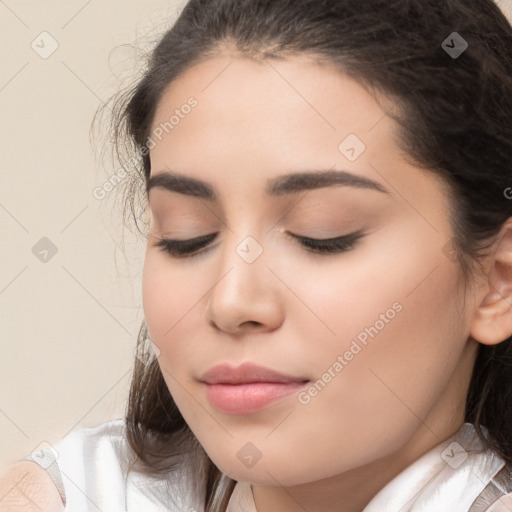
492 320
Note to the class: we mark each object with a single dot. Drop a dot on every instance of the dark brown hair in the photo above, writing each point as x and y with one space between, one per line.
455 120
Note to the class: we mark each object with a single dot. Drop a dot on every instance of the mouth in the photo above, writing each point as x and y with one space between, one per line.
249 397
247 388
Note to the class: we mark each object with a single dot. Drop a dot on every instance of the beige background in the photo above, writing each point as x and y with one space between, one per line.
68 326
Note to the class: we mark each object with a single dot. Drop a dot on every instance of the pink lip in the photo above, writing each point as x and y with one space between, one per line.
248 387
245 374
248 398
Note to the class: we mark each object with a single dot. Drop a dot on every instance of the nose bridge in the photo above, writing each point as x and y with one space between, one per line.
243 264
244 291
246 234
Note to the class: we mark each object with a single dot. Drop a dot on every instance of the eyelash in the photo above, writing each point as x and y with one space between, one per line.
189 248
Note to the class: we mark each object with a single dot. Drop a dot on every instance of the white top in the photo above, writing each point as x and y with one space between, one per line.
89 467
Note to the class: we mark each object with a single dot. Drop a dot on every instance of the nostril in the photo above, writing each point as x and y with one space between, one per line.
252 322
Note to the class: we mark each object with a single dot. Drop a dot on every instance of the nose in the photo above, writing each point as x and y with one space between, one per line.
246 296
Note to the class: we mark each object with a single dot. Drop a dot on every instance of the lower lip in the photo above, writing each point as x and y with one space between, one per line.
248 398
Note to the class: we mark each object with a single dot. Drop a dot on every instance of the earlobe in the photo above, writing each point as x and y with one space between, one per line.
492 320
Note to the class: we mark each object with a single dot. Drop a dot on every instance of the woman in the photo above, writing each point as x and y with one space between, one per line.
327 284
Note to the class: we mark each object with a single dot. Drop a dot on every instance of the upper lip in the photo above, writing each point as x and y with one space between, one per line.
244 374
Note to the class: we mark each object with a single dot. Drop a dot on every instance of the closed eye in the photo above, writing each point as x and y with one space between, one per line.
191 247
329 245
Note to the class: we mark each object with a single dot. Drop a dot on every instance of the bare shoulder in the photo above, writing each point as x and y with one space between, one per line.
27 487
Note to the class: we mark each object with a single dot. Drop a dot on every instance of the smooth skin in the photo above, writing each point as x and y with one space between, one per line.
296 311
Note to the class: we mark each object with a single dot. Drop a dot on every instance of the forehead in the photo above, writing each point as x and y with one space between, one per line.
283 107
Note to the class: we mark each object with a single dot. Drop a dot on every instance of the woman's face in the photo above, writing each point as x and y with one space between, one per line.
378 330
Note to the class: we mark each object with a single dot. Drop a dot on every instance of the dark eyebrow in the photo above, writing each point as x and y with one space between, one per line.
286 184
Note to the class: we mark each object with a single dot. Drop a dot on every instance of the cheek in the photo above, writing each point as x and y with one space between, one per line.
399 368
168 298
157 297
168 302
174 313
